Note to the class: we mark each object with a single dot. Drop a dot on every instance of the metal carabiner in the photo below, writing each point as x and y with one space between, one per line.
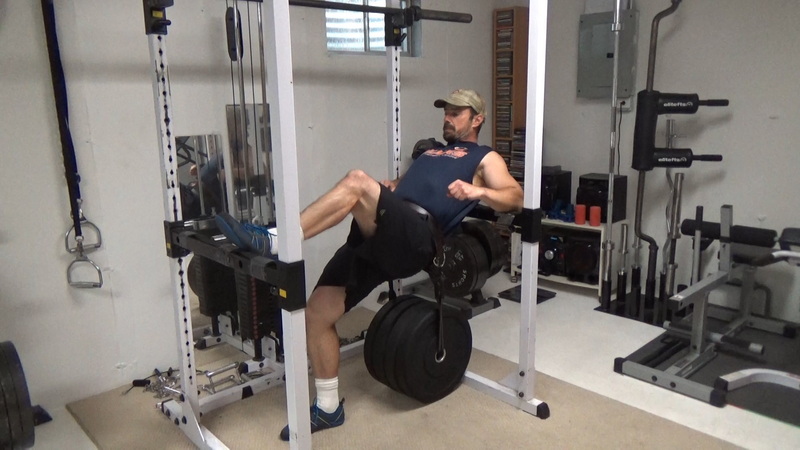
83 260
439 262
80 246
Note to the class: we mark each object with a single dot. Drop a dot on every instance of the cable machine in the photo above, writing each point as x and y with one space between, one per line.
285 275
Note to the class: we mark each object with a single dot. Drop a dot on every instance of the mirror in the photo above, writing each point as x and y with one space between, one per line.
252 195
202 169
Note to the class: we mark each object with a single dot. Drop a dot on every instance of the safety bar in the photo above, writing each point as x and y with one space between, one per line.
418 13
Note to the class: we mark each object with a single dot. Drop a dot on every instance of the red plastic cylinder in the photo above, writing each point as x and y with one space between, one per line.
580 214
594 216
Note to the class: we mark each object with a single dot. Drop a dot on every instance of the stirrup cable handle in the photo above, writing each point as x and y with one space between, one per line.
68 152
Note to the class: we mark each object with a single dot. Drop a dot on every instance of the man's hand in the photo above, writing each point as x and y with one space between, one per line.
461 190
391 184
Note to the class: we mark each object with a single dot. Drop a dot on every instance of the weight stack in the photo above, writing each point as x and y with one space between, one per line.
402 343
259 314
214 285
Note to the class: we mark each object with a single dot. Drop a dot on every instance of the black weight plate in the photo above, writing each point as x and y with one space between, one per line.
5 425
424 312
428 380
20 410
373 328
13 407
23 395
494 244
383 336
378 332
400 335
466 266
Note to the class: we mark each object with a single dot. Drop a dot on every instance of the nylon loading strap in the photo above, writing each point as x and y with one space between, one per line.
78 267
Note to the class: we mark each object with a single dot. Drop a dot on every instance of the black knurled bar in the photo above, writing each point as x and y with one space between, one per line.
419 14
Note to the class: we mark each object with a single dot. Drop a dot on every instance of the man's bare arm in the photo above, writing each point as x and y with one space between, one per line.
493 185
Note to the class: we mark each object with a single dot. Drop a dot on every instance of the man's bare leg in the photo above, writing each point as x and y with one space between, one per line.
356 193
325 307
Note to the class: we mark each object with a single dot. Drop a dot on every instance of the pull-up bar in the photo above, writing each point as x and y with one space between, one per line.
156 19
416 12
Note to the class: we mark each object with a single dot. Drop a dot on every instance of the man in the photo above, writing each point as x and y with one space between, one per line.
390 235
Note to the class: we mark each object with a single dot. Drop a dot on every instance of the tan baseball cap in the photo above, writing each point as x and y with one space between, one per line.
463 97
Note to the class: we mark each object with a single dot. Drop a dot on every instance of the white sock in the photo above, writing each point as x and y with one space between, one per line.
327 393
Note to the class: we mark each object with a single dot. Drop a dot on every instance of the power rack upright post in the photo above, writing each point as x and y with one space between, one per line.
286 275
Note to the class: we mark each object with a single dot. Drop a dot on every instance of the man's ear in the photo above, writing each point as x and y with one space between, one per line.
477 120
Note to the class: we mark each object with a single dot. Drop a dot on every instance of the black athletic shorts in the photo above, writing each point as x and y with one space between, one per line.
402 246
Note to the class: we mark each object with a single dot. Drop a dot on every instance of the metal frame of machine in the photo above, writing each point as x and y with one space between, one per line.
286 274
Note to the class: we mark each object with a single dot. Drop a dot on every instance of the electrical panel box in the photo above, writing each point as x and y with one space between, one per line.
596 54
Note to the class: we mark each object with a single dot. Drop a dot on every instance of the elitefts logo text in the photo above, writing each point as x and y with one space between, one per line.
679 104
673 159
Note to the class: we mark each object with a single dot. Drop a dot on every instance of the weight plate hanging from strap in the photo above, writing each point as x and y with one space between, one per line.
403 339
379 333
427 377
401 336
374 326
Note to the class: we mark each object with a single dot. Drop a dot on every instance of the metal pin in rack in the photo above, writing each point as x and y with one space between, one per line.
212 385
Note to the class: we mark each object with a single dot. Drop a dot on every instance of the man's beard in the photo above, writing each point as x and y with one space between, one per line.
450 134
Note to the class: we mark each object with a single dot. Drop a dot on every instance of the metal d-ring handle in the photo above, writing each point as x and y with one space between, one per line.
82 260
80 246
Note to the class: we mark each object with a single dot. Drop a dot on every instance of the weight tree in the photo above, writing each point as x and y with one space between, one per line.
286 274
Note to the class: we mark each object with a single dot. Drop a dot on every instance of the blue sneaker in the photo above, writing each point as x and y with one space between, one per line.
244 235
320 420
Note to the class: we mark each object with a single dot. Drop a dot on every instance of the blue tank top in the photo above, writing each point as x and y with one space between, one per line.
425 183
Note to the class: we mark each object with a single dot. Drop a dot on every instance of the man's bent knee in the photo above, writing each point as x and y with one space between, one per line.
325 305
358 180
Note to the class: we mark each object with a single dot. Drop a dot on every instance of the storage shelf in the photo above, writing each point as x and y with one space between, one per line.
601 230
572 225
564 280
509 78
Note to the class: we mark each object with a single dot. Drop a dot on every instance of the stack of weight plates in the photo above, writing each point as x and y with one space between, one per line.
402 343
471 257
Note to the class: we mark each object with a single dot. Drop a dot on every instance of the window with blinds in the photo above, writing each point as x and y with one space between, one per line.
353 31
